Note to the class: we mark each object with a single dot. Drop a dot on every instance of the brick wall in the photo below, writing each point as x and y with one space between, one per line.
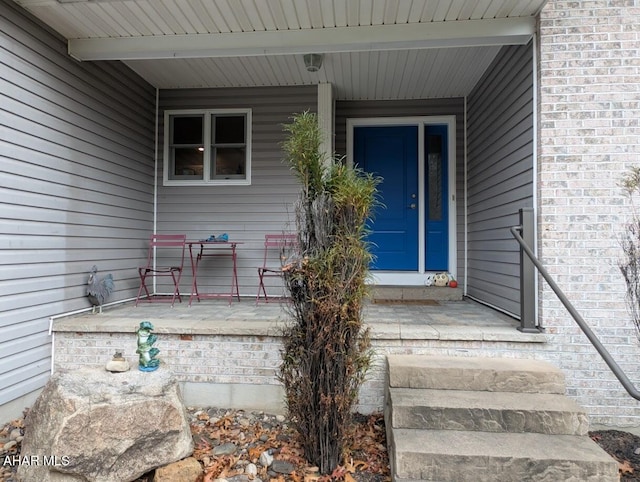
253 361
248 365
589 135
194 358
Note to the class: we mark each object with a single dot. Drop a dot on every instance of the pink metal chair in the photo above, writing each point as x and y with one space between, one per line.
273 244
165 245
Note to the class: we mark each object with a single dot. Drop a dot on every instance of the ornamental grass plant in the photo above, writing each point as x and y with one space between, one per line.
630 242
326 349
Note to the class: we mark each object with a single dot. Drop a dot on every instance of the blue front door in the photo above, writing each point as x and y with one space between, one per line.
392 154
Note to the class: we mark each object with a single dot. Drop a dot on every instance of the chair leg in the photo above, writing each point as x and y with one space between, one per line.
143 276
176 289
261 287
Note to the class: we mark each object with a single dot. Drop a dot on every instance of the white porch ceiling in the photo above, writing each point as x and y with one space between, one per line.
374 49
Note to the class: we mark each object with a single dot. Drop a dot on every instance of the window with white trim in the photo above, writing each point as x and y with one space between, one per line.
210 147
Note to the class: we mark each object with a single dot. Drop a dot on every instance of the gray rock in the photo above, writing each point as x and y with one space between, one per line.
225 449
251 470
9 445
282 467
108 427
266 459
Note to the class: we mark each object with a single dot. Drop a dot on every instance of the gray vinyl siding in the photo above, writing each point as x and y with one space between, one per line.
245 213
76 188
408 108
500 175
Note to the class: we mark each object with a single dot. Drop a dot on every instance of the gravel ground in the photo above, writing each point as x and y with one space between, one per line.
242 446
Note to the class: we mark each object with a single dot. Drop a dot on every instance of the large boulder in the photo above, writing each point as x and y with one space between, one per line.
93 425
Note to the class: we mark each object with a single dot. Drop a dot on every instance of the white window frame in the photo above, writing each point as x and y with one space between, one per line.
207 179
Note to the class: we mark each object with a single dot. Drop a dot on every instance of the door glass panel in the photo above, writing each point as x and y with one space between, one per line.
434 177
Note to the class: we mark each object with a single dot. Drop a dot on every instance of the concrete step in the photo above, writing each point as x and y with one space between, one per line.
461 456
485 411
474 373
383 294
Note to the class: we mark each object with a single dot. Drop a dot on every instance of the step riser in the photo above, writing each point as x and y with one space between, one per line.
461 468
470 456
485 411
523 376
490 420
478 380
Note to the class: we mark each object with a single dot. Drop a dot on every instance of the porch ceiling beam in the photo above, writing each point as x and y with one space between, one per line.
465 33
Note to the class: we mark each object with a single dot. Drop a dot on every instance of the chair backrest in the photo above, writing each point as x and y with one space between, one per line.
168 241
281 242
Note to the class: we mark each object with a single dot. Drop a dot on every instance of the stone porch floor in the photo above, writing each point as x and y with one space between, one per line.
416 320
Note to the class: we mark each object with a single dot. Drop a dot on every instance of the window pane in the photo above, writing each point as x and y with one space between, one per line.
229 162
229 130
188 161
434 177
187 129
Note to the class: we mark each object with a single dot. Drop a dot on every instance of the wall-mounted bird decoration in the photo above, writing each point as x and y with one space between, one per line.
98 290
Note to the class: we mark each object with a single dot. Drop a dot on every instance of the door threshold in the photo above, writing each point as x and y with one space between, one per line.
399 278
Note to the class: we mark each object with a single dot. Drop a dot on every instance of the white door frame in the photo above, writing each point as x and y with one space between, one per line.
404 278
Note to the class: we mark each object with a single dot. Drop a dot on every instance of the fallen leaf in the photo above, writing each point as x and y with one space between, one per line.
360 465
339 472
625 467
255 452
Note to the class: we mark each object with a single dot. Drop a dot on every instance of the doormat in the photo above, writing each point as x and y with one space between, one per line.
406 302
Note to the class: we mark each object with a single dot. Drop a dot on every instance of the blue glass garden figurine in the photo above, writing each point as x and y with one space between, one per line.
147 361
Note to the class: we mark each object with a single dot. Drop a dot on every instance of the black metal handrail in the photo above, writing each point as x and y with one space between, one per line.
606 356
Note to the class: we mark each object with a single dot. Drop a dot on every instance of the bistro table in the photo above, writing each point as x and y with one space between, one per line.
213 249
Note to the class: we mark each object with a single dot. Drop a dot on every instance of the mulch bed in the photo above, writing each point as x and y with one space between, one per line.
366 458
624 447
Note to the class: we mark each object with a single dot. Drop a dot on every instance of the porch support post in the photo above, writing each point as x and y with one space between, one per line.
527 275
325 118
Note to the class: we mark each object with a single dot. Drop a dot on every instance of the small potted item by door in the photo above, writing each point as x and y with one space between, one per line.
441 279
